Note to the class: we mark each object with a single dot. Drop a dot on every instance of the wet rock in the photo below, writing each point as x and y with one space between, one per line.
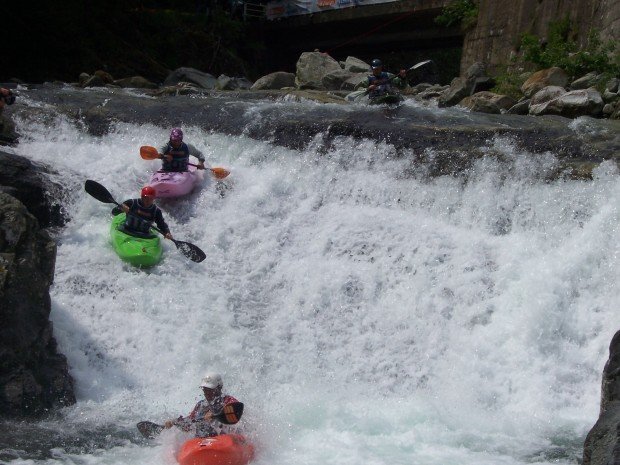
34 377
488 102
190 75
312 67
586 102
277 80
602 444
334 80
520 108
584 82
544 78
355 65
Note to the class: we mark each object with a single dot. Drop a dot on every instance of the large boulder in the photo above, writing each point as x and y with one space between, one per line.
191 75
34 377
355 65
312 67
544 78
602 444
488 102
586 102
334 80
277 80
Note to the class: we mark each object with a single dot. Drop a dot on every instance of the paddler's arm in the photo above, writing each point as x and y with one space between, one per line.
125 205
198 154
161 224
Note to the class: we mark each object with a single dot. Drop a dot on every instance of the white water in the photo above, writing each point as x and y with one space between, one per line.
362 316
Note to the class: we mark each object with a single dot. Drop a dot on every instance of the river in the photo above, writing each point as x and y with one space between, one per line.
364 311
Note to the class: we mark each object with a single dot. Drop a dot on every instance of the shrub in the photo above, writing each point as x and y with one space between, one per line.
463 12
561 51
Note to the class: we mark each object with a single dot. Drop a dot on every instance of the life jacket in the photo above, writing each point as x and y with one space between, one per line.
140 218
382 83
180 158
209 428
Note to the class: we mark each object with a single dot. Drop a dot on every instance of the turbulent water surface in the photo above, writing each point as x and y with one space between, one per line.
364 312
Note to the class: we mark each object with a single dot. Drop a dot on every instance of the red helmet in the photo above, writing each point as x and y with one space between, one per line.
147 191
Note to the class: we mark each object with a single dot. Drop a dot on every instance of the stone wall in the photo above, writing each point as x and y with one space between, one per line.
497 33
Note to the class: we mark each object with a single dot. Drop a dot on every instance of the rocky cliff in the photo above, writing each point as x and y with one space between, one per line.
33 375
497 33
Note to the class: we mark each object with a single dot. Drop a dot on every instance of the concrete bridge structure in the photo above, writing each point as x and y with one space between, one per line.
401 33
404 32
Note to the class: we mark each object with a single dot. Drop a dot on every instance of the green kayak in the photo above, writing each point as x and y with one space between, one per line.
139 251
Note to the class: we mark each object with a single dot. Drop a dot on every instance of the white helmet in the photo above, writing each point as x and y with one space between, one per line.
212 381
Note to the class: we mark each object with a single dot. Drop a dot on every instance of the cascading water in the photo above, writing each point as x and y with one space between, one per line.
364 313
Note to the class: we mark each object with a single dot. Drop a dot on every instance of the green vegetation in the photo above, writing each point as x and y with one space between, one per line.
463 12
562 51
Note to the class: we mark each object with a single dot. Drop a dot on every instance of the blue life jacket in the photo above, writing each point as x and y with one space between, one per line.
382 81
180 158
140 218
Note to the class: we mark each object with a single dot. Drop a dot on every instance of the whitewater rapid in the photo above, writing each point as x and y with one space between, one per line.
363 312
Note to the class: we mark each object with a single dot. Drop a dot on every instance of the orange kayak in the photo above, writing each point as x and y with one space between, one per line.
225 449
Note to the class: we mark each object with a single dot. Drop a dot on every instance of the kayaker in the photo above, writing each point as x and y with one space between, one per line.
380 82
175 154
142 212
202 414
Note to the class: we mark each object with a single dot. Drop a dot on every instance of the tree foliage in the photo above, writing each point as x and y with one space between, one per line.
559 49
459 12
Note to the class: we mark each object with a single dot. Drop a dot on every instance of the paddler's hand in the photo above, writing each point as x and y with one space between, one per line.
168 157
201 165
125 208
208 416
402 73
168 424
168 236
372 87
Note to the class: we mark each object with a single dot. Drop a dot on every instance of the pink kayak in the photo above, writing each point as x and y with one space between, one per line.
175 184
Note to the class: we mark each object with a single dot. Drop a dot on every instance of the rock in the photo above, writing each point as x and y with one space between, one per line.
544 78
277 80
352 82
481 84
355 65
8 135
610 97
613 85
30 184
589 80
191 75
312 67
520 108
488 102
136 82
602 444
94 81
547 94
34 377
334 80
608 109
232 83
82 79
458 90
586 102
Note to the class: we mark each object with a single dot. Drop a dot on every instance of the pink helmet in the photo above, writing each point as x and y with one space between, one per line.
176 134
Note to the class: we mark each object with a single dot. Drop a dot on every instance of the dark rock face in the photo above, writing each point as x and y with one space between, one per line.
602 445
24 181
33 375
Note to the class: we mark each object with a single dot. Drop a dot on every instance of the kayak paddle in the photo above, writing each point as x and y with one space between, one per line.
229 416
99 192
150 153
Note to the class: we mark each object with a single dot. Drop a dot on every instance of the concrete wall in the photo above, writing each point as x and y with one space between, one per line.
497 33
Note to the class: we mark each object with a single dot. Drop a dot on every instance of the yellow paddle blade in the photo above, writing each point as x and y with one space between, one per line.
220 173
149 153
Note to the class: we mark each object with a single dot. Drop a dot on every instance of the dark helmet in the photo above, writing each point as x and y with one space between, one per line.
376 63
176 135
